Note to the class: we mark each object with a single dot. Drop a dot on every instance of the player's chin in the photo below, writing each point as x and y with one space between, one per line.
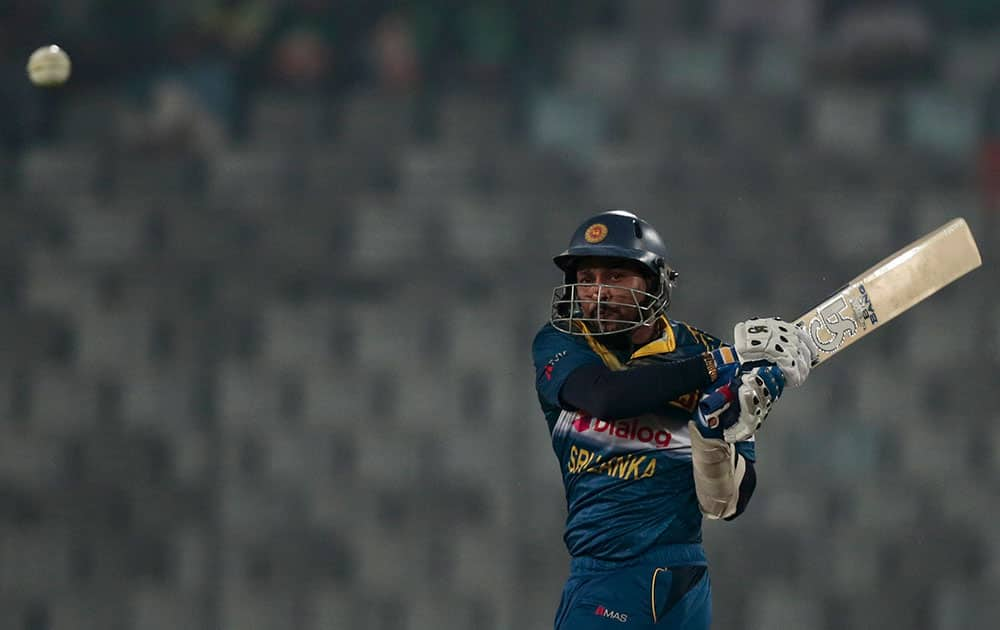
616 324
611 320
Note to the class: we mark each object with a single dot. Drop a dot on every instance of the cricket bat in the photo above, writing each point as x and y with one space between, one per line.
892 286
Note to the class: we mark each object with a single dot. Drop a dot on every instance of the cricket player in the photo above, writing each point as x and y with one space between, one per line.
653 422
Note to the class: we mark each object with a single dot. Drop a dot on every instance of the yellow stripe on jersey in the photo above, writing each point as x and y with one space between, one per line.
663 345
610 360
699 336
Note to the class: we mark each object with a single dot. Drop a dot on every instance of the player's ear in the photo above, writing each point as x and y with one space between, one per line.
651 283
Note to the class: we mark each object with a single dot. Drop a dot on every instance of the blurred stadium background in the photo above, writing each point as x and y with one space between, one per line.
270 270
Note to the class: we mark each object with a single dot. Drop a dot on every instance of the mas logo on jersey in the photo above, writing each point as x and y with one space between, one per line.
607 613
596 233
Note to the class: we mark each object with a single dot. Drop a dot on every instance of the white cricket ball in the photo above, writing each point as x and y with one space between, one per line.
49 66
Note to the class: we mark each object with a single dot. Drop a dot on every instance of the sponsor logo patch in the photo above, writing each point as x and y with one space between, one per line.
550 366
601 611
624 429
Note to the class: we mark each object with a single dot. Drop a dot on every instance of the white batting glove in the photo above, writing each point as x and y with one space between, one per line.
758 390
771 339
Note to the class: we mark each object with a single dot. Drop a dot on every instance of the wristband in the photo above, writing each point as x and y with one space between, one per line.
710 366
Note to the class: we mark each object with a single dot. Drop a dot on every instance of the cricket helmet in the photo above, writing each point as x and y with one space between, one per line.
620 235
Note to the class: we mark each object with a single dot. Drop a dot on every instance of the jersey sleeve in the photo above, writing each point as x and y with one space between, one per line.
556 355
747 449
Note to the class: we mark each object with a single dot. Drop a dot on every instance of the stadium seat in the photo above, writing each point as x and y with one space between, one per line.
367 114
59 173
942 124
297 336
854 566
84 609
238 176
283 120
326 606
105 234
36 562
436 171
855 226
569 123
63 403
602 66
471 119
150 177
622 175
776 604
160 608
963 602
934 456
970 62
247 396
90 119
933 208
694 68
880 396
249 609
849 122
340 172
31 461
779 68
113 340
928 343
386 240
483 232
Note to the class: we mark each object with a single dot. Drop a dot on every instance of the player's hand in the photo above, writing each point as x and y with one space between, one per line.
735 406
771 339
758 390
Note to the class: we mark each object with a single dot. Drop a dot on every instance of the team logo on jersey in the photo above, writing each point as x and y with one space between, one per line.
596 233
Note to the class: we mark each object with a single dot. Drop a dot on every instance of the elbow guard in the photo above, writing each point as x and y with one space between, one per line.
718 473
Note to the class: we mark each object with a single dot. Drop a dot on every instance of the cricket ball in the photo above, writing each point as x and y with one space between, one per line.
49 66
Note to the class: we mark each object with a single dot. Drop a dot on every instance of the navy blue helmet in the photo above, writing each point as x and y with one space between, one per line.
619 235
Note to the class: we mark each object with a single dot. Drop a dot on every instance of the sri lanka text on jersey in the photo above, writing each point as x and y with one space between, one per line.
627 466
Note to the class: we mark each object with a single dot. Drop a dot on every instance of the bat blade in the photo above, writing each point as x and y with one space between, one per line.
892 286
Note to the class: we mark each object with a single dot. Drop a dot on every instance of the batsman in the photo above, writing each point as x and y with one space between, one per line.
653 423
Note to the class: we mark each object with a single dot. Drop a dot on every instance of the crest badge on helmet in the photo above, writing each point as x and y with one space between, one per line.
596 233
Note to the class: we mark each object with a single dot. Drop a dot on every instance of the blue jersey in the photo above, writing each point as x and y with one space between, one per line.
629 483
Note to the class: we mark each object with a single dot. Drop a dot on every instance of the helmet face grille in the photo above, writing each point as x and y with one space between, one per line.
601 313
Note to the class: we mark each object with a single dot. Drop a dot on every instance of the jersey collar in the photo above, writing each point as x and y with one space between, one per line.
665 344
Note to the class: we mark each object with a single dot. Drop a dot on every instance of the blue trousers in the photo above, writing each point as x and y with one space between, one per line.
649 593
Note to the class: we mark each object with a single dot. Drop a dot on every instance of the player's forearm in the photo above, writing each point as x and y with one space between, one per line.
612 395
747 486
724 479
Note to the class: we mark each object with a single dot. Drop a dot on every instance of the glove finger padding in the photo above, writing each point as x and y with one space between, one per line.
757 392
775 341
808 344
716 410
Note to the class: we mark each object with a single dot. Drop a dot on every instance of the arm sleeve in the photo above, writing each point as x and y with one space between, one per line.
612 395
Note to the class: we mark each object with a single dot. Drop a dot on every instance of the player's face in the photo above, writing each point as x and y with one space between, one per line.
614 302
